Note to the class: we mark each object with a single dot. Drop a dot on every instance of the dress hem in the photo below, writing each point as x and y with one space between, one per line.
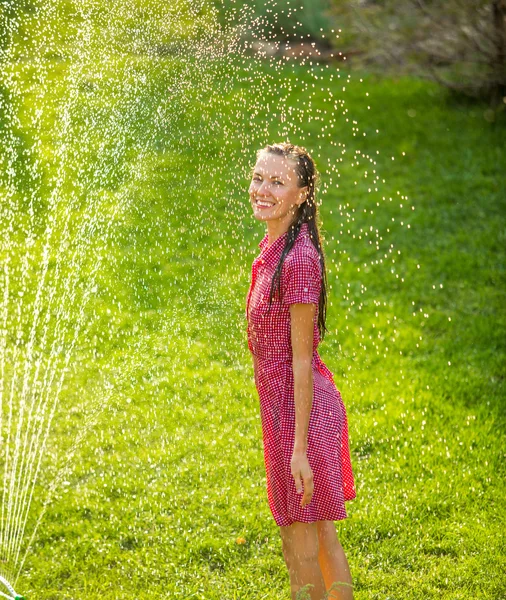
302 520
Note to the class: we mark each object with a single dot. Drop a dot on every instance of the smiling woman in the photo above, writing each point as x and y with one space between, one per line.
304 421
275 184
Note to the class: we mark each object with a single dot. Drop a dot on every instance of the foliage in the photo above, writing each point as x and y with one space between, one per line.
458 43
283 20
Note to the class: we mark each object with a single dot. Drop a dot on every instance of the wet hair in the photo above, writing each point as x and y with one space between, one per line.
307 212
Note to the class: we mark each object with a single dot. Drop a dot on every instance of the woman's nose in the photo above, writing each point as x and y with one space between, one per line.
263 188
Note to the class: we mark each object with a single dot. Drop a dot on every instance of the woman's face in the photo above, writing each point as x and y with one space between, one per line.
274 193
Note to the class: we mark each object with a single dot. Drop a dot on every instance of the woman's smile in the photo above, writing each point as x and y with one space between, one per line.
264 203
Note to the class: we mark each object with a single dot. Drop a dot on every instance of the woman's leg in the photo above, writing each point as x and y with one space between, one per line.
333 562
300 549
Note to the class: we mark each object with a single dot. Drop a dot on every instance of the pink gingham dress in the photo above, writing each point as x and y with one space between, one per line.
269 340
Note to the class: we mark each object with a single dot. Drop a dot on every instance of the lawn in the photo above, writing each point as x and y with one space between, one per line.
169 475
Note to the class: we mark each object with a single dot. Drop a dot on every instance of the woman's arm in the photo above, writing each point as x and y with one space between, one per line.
302 316
302 323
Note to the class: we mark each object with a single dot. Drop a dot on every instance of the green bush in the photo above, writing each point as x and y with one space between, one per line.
283 20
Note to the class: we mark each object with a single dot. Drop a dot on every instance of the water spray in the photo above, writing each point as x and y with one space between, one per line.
12 594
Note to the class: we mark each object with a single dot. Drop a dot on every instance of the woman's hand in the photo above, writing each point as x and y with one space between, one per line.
300 468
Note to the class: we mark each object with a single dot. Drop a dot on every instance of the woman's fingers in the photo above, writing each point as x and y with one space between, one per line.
298 482
301 472
308 488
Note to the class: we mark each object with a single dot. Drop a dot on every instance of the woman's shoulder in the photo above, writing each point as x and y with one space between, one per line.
303 254
303 247
302 273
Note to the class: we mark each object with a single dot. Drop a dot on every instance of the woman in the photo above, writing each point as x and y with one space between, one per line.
304 424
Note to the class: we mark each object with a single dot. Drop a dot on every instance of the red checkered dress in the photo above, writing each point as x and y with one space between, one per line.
269 341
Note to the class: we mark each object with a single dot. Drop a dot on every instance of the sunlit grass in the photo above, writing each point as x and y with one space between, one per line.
172 475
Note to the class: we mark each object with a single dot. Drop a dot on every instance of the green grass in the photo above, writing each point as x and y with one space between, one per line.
172 474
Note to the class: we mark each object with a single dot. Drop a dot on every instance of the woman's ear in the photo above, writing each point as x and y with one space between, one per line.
303 194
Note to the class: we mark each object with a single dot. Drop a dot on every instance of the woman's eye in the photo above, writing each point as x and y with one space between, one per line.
260 179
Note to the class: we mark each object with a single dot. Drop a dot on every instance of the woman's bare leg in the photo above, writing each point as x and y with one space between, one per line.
333 563
300 549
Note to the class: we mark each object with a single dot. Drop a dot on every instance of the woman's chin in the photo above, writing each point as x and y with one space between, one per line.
263 214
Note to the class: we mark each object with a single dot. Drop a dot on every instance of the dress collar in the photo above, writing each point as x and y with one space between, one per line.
263 243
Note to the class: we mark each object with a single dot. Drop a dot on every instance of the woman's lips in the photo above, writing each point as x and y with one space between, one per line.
266 205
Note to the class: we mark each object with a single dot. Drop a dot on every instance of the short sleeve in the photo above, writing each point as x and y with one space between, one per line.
301 278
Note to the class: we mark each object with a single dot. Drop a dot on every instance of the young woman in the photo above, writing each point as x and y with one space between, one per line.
304 422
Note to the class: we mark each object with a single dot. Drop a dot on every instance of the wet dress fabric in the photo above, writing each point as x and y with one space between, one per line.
269 341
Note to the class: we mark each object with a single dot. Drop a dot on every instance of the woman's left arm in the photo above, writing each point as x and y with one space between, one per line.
302 323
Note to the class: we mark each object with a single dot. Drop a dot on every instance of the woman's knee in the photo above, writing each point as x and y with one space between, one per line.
327 535
300 543
326 529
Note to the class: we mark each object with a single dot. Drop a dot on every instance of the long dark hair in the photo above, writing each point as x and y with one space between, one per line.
307 175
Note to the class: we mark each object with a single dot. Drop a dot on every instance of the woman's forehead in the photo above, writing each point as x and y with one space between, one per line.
275 165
